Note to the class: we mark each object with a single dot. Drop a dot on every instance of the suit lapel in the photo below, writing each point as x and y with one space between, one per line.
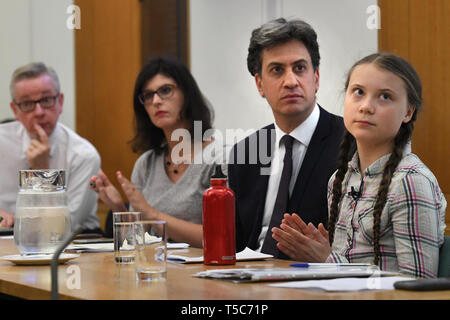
312 156
264 168
261 180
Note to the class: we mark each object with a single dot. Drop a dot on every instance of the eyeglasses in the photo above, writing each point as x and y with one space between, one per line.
165 92
29 106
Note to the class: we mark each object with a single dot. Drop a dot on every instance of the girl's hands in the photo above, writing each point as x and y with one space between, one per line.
300 241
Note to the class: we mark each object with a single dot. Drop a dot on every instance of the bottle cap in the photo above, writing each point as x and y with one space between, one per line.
218 174
45 180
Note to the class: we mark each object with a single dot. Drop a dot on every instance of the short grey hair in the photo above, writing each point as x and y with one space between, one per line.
280 31
30 71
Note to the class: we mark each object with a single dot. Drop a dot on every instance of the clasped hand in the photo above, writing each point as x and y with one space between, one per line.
300 241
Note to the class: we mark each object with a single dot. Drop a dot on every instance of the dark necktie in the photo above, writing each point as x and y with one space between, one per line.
281 203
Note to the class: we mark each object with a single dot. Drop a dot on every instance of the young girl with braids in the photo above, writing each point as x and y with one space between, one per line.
385 205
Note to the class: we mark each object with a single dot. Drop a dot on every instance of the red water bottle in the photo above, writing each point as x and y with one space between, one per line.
219 230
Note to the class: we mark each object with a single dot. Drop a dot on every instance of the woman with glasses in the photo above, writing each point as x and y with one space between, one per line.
169 178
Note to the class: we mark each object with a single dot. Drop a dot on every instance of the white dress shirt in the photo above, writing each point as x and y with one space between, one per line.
302 136
68 151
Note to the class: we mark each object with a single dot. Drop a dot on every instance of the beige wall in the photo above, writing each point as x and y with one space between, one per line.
36 31
220 32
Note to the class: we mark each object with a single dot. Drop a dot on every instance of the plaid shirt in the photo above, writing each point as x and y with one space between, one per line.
412 223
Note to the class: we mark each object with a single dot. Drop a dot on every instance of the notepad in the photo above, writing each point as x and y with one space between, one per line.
327 271
245 255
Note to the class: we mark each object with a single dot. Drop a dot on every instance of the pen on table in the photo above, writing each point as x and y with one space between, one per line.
314 265
300 265
307 265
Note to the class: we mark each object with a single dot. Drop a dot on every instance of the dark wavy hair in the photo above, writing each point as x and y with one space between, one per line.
277 32
401 68
196 108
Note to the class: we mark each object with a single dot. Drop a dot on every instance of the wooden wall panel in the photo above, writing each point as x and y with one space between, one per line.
107 61
165 29
115 39
420 31
394 39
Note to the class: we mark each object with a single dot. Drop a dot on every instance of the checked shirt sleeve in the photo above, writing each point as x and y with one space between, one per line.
417 214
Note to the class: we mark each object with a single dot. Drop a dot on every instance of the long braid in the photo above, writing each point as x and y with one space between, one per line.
342 167
396 156
411 79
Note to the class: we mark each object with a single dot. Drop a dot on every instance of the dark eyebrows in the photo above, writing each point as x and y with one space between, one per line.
274 64
295 63
301 61
161 86
44 94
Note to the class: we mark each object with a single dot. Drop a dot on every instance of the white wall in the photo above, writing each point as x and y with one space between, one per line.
220 30
220 33
33 30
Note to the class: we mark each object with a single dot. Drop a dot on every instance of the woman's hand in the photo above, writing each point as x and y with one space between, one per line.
135 197
107 192
302 242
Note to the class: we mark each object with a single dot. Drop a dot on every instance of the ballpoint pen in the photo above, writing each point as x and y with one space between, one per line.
300 265
307 265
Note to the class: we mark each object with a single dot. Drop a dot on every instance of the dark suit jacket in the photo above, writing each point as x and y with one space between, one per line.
309 197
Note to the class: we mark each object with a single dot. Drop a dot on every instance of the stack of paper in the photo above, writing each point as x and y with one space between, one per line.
322 271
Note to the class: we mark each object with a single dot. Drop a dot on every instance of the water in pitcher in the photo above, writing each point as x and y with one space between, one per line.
40 229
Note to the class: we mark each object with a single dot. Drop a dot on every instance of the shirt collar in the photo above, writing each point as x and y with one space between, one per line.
378 166
303 132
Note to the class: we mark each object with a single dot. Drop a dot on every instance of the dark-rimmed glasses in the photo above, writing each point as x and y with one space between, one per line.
30 105
164 92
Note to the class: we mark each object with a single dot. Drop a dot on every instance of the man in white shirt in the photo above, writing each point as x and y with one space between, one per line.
302 145
38 141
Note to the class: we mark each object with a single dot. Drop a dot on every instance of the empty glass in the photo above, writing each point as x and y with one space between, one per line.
151 250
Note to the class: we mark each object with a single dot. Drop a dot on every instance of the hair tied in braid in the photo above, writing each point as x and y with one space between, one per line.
406 72
347 147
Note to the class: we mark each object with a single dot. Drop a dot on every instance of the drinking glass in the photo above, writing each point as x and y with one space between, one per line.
124 244
151 250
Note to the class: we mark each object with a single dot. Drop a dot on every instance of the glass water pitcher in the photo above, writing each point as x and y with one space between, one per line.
42 219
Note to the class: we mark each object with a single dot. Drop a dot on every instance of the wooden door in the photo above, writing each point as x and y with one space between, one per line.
420 32
107 61
115 39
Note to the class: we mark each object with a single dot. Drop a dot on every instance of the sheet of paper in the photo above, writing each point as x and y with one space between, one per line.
344 284
245 255
92 247
109 247
249 254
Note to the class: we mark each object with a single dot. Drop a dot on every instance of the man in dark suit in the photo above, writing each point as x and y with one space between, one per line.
284 167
